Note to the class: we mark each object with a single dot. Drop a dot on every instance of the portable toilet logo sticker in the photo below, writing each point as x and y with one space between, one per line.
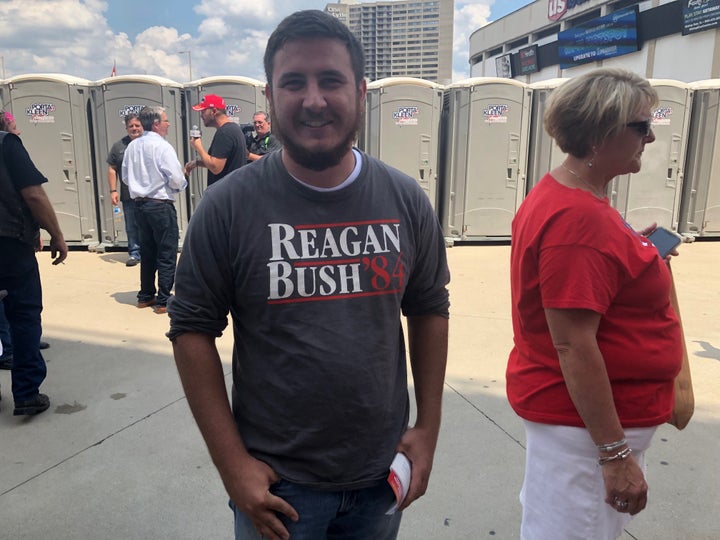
233 112
661 116
127 109
496 114
40 113
406 116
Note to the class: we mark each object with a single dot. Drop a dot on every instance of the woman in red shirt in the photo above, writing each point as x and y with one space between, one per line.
597 343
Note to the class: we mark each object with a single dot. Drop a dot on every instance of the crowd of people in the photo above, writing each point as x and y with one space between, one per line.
317 250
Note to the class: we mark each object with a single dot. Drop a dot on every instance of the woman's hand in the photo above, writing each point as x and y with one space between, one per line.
625 486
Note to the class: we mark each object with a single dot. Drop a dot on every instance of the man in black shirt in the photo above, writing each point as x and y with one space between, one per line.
264 142
24 208
227 151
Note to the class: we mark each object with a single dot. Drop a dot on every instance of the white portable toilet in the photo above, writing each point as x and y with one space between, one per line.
653 194
402 128
51 112
5 103
243 96
113 98
487 141
544 154
700 207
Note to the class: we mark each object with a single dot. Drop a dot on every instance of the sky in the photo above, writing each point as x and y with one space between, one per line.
84 38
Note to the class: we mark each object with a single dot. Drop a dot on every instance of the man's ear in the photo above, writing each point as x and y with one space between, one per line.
268 95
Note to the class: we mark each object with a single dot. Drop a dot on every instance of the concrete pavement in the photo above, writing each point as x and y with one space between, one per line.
118 454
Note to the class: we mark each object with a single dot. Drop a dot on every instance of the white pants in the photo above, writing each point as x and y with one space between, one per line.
563 495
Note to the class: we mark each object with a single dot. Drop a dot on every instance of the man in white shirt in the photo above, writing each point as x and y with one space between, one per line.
154 176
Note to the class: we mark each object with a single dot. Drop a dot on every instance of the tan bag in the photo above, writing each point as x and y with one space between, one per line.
684 405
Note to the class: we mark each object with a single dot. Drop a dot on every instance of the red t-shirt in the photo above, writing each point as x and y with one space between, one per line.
571 250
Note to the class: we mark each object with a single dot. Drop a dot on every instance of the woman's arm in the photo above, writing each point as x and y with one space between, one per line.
574 333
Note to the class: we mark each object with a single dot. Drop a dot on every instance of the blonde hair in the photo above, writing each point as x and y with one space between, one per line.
588 109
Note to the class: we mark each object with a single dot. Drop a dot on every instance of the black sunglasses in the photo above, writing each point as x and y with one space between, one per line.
643 128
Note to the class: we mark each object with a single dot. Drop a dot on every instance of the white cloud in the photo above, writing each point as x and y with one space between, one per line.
244 9
468 18
213 29
226 37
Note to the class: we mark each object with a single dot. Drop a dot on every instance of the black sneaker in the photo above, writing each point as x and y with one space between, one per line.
32 406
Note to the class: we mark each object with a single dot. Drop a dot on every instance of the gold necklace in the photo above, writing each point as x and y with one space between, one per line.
588 184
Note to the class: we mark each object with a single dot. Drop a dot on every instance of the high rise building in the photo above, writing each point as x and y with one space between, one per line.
410 38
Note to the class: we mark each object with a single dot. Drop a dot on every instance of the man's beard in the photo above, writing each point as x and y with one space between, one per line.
318 160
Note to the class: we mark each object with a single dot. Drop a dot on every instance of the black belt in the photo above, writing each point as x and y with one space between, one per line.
147 199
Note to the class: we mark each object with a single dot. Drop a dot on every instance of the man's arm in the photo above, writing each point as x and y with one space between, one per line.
172 170
428 341
112 182
214 164
246 479
41 209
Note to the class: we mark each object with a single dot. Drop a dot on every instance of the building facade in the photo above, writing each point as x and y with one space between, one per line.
660 39
402 39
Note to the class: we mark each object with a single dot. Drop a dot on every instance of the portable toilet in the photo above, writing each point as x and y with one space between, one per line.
487 144
52 114
113 98
5 104
653 194
700 207
544 154
402 128
243 96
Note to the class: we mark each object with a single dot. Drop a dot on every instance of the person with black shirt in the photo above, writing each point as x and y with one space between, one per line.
227 151
24 208
114 160
264 142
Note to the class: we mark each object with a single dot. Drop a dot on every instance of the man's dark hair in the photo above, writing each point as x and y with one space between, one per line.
131 116
149 116
313 24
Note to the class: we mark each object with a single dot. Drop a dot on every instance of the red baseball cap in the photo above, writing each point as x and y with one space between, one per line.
210 101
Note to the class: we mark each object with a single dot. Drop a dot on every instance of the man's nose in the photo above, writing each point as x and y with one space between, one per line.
314 98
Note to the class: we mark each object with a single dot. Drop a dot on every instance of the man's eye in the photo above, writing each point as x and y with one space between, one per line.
332 82
293 85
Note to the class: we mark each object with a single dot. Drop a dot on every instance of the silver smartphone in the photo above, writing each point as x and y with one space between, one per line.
664 240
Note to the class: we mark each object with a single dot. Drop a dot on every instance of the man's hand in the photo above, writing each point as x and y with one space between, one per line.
249 488
190 166
419 447
115 198
58 249
196 143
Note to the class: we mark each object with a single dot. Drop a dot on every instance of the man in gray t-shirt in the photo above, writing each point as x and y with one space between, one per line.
315 251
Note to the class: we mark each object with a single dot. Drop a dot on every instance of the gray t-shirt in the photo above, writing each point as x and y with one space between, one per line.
315 283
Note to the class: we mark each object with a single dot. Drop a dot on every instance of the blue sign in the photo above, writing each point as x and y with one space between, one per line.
699 15
605 37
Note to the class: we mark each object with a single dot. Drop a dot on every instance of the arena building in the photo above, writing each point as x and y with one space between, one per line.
659 39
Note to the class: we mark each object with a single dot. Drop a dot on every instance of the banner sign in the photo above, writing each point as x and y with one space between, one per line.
699 15
527 60
605 37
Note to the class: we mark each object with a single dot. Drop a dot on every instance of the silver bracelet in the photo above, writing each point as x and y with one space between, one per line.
622 454
609 447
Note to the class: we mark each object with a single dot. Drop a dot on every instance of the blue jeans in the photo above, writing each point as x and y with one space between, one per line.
333 515
131 228
159 232
5 336
19 275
